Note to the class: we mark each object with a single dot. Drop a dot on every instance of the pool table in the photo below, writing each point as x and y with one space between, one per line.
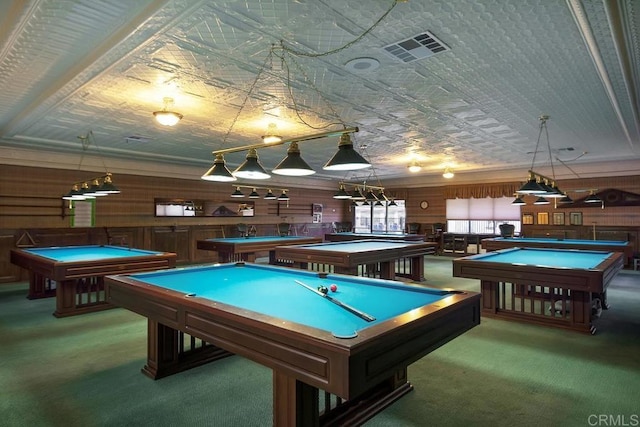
554 287
74 274
245 248
274 316
371 257
555 243
347 236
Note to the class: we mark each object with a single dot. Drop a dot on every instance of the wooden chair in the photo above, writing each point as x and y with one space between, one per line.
437 229
507 230
243 229
341 227
284 229
413 228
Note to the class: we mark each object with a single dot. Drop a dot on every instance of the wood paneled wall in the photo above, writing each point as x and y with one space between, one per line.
30 202
627 216
31 198
31 209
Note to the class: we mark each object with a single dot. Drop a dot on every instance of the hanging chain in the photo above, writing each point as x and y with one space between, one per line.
267 61
351 43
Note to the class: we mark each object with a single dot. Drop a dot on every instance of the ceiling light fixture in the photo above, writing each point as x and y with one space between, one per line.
271 137
166 117
414 167
448 173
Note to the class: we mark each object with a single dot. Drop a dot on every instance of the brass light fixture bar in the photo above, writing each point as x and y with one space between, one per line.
254 193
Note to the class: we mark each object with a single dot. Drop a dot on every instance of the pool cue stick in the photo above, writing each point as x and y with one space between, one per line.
347 307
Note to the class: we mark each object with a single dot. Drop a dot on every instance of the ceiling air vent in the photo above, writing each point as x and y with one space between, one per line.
417 47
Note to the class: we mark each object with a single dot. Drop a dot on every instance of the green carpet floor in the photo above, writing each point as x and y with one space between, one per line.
85 371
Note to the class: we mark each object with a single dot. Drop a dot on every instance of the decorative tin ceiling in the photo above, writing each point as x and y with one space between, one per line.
70 67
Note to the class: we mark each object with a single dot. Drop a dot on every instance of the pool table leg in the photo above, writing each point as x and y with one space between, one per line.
580 311
80 296
296 403
417 268
40 286
168 355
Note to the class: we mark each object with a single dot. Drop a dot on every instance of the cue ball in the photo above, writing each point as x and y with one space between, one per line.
323 289
333 287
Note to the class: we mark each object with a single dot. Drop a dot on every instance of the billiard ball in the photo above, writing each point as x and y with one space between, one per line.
323 289
333 287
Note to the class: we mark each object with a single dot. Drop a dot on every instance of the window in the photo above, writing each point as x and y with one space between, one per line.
370 218
481 216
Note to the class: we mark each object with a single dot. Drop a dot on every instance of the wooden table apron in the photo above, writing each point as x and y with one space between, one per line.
371 367
246 249
345 262
344 237
581 282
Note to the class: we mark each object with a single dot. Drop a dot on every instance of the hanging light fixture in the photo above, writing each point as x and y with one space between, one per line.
251 167
541 201
532 186
84 189
218 171
293 164
342 193
357 194
283 196
237 193
74 194
519 201
255 195
448 173
107 186
565 200
537 184
592 198
94 189
346 158
166 117
100 186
